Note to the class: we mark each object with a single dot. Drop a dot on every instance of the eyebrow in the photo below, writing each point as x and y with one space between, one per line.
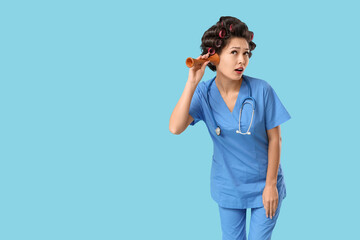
239 48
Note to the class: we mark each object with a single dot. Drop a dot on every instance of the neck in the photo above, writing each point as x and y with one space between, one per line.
227 86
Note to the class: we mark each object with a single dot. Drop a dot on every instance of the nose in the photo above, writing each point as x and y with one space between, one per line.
241 59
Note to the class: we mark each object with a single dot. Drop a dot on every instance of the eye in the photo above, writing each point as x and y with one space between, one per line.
248 53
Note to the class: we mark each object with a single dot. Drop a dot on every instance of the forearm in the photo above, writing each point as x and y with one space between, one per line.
273 161
180 114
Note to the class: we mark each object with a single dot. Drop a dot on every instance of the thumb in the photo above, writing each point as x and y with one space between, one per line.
205 63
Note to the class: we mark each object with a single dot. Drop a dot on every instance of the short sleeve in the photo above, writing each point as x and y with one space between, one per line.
275 112
196 110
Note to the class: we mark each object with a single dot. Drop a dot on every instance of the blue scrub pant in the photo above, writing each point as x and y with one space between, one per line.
233 223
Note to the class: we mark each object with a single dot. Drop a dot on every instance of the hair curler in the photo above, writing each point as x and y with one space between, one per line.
214 59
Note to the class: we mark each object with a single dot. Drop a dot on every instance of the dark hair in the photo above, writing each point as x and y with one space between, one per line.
211 38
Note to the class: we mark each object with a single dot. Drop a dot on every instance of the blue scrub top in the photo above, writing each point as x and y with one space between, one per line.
239 162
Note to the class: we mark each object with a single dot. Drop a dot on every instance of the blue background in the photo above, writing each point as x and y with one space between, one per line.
87 90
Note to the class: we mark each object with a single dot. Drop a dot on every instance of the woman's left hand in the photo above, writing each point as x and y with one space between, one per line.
270 200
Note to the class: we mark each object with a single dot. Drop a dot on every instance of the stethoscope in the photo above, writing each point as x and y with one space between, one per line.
217 130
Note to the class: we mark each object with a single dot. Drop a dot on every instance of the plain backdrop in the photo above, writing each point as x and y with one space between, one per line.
86 93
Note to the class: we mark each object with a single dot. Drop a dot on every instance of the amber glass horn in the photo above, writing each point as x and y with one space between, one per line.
214 59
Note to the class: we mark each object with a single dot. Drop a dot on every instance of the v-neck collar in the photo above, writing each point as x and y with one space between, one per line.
237 99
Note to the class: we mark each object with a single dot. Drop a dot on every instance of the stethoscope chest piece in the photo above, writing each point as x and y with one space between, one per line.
217 130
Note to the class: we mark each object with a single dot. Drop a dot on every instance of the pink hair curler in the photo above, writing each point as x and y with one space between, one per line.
222 33
211 51
218 43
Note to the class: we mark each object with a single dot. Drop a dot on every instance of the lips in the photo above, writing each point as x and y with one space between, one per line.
240 69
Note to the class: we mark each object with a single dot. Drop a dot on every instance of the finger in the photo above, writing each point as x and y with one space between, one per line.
205 64
200 57
267 209
204 55
276 206
271 209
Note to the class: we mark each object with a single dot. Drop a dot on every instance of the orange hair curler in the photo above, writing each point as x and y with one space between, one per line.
214 59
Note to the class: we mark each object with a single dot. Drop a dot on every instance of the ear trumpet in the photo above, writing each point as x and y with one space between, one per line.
214 59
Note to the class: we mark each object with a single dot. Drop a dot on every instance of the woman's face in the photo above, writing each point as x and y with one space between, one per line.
234 56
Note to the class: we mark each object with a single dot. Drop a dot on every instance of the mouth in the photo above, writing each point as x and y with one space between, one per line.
239 70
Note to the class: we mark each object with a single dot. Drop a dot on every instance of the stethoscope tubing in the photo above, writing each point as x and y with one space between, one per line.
218 130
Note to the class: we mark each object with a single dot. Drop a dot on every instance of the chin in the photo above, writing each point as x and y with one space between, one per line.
239 76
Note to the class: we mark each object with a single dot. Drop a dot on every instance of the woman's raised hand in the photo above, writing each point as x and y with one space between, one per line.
196 72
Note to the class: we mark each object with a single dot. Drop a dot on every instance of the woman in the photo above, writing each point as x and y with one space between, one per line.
246 170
